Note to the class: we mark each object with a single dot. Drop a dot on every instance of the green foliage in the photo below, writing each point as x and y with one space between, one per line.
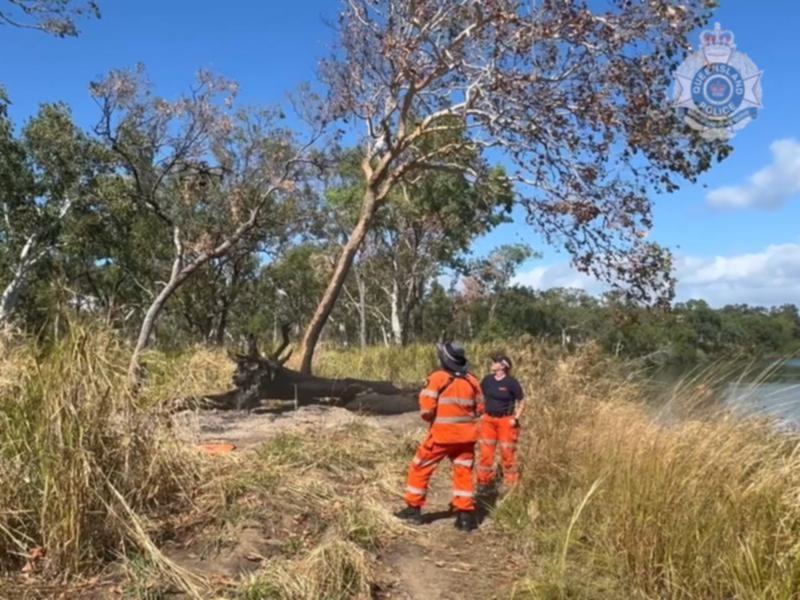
110 253
688 332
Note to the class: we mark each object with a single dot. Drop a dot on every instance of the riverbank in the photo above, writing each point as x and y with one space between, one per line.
101 489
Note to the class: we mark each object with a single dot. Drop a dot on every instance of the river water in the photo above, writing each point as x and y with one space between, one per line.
762 389
775 393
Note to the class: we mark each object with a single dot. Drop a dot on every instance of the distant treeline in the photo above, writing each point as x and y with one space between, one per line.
688 332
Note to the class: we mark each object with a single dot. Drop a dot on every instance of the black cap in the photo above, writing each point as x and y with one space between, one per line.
452 357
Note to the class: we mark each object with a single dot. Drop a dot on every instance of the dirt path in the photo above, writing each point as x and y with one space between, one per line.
248 430
437 561
432 561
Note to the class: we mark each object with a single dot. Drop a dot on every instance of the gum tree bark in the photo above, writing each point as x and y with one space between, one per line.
312 333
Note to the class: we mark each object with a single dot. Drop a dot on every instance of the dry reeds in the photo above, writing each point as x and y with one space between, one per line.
616 502
81 464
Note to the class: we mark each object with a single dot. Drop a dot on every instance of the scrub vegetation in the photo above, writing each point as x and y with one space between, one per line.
134 251
620 501
621 497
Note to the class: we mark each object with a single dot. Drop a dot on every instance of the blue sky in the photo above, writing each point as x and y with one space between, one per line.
744 253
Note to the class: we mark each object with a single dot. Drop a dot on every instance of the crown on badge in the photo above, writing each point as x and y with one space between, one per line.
718 44
717 89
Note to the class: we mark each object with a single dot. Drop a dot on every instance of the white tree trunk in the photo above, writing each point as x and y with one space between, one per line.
179 274
27 259
397 324
362 310
385 335
177 277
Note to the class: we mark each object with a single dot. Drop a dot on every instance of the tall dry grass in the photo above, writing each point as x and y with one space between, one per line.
627 496
617 499
83 463
410 364
617 502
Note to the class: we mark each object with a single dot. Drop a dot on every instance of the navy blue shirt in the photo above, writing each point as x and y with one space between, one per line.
500 396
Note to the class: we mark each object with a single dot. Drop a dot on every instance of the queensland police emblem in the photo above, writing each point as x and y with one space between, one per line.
717 89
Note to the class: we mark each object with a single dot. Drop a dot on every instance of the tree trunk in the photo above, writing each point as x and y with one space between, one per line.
222 323
258 379
362 310
492 310
150 317
178 276
345 261
412 301
397 325
228 297
11 294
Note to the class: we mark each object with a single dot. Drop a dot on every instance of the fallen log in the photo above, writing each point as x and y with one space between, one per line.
259 378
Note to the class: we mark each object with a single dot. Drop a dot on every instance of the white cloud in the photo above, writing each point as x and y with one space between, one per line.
558 275
768 278
767 188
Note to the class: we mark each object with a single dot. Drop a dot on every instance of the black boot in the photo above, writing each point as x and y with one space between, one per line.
465 520
412 514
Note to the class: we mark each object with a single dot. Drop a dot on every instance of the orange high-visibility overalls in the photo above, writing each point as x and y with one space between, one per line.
451 405
498 427
498 431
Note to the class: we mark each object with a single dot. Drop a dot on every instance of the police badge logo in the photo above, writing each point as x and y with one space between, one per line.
717 89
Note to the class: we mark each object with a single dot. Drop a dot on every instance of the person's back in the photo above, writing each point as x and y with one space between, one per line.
450 402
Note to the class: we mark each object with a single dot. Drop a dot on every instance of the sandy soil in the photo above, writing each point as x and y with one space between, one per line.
433 561
246 430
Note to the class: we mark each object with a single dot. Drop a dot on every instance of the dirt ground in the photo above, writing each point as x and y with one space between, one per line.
247 430
432 561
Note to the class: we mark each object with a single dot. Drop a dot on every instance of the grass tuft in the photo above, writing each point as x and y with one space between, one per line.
80 461
335 570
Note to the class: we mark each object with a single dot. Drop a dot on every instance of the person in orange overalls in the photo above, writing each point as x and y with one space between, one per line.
499 425
451 402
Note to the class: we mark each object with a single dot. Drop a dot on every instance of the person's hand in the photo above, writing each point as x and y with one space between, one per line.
514 422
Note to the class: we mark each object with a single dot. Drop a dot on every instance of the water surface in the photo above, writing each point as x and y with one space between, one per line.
770 389
777 395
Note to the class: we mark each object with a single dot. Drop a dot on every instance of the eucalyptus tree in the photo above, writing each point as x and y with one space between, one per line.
45 173
573 95
489 276
210 174
424 227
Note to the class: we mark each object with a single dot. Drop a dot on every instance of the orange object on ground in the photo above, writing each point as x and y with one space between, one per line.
498 431
218 448
450 403
428 456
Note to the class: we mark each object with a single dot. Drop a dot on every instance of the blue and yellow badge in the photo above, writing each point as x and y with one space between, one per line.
717 89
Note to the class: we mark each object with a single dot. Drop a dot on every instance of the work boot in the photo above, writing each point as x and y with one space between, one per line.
412 514
465 520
